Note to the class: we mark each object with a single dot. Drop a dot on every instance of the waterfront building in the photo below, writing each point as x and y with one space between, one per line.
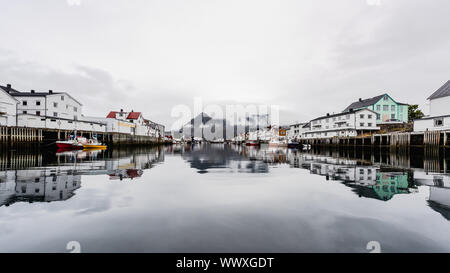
133 123
296 131
46 110
387 110
47 104
8 107
346 124
439 112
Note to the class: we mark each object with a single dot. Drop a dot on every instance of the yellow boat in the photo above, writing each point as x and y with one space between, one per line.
94 146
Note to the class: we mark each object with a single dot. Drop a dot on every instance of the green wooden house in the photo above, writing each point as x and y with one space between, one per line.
388 110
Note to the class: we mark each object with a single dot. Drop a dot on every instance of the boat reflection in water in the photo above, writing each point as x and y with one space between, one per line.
57 178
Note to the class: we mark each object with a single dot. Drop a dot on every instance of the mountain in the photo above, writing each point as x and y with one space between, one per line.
204 126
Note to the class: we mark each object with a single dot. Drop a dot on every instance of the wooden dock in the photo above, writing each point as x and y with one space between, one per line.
394 140
21 135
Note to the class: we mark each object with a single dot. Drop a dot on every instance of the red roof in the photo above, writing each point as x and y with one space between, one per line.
134 115
111 114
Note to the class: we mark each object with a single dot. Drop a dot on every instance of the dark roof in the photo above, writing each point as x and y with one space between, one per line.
35 94
444 91
341 114
13 92
364 103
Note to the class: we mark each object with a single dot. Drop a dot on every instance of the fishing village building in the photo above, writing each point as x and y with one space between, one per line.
347 124
439 117
59 111
8 107
386 108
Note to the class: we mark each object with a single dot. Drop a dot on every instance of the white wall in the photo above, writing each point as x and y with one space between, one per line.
8 106
428 124
343 125
32 121
440 107
62 104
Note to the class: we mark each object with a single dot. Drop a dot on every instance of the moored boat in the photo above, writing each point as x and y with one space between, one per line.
252 143
293 144
275 142
69 145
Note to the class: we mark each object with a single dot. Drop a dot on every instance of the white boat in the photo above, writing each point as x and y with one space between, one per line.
276 142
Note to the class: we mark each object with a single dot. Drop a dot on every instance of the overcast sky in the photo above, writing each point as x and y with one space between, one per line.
310 57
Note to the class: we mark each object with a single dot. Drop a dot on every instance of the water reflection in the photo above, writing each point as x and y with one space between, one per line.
225 198
377 174
59 176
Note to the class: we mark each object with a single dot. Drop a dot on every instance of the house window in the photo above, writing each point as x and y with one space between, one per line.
369 124
38 113
393 116
393 108
55 104
361 116
385 107
378 116
55 114
25 112
378 107
361 124
24 103
75 109
439 122
369 116
385 98
38 102
62 97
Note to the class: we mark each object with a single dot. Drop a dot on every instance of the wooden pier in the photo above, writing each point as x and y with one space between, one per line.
29 136
393 140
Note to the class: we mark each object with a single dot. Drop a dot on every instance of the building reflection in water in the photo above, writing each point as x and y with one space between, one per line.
32 180
219 157
376 174
382 174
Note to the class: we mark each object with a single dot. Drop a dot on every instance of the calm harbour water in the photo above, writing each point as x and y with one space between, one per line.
224 198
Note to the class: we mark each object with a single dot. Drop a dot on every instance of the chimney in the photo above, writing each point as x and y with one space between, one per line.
8 87
50 91
328 114
360 99
32 91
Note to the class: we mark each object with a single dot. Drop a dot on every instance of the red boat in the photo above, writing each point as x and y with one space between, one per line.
69 145
252 143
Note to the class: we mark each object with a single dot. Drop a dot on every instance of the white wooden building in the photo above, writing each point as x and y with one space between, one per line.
133 123
298 130
347 124
439 117
8 107
48 104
